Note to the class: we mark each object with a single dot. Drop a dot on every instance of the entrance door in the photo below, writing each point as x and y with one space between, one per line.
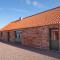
54 39
18 36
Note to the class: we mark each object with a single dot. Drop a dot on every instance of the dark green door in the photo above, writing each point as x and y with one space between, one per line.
54 39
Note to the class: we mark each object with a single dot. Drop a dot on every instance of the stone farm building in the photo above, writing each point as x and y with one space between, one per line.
41 30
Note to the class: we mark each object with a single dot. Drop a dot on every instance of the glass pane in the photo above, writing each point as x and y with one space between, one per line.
54 35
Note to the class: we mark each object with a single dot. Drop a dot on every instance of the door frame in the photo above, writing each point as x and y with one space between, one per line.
19 33
50 37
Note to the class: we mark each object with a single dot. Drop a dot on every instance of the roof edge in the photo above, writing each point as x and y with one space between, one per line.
41 12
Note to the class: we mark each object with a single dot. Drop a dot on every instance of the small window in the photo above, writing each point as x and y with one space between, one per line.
54 35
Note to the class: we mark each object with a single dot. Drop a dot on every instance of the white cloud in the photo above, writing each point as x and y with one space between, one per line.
34 3
38 4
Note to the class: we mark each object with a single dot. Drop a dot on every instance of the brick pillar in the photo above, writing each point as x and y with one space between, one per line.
59 37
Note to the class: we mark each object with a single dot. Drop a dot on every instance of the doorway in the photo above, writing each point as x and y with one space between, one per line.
18 36
54 39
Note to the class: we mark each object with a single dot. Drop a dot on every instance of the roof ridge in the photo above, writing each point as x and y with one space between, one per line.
42 12
15 21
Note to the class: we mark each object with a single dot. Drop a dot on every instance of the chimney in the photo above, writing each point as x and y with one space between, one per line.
19 18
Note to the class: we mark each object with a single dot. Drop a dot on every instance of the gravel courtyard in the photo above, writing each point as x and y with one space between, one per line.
9 52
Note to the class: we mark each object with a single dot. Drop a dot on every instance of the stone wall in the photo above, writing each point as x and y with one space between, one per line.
36 37
12 36
0 36
4 36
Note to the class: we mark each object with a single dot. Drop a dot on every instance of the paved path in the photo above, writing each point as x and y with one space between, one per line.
8 52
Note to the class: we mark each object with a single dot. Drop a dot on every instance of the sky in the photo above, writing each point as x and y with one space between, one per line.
11 10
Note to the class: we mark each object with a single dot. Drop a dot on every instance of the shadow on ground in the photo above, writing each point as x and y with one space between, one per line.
54 54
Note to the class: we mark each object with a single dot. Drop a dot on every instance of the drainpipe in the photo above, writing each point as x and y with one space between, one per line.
19 18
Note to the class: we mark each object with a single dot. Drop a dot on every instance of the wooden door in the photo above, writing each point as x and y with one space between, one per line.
54 39
18 36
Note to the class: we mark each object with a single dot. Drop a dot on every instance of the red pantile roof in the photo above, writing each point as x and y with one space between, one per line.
45 18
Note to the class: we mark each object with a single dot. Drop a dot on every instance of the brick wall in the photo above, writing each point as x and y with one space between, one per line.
12 36
0 35
4 36
36 37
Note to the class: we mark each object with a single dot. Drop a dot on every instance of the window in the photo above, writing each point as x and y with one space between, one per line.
54 35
